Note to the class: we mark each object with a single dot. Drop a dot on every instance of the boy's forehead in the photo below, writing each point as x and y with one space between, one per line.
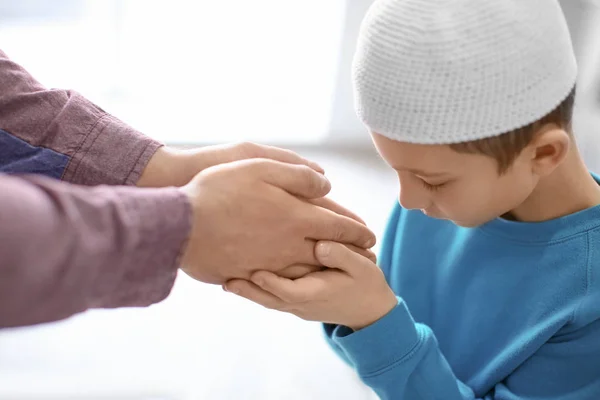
424 160
429 161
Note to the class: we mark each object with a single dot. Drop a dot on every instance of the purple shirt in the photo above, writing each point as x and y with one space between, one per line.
65 248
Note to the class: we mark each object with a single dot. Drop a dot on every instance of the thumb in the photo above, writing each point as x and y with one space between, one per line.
338 256
299 180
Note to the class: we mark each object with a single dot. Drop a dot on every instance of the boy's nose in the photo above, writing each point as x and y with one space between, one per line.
410 203
413 197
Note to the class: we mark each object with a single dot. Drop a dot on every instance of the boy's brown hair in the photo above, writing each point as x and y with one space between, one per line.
506 147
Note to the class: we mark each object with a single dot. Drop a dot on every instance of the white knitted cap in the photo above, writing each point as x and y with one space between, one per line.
448 71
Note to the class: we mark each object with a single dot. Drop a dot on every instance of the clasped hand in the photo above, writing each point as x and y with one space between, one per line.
350 291
263 208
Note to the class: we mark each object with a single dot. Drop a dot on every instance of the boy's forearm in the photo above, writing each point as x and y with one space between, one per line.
400 359
328 330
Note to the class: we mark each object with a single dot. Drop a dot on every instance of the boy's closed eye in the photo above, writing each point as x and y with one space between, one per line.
433 186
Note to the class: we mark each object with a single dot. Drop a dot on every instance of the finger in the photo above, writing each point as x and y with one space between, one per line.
284 155
336 208
327 225
298 180
304 258
304 254
363 252
298 271
291 291
250 291
336 255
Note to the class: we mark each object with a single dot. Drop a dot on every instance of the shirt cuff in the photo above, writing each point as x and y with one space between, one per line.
381 344
111 153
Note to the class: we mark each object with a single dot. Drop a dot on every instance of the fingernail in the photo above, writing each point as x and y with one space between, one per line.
371 243
224 288
230 290
316 166
323 249
259 282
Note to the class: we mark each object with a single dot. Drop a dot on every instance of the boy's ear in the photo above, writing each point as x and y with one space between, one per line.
548 149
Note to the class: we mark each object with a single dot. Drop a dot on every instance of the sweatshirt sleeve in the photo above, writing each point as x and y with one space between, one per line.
60 134
66 248
400 359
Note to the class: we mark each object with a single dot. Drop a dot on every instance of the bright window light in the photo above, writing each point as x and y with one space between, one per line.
186 71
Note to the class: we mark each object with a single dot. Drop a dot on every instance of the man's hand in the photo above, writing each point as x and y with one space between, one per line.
353 292
298 271
172 167
257 215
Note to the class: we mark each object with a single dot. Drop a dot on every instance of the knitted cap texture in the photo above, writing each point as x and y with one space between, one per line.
449 71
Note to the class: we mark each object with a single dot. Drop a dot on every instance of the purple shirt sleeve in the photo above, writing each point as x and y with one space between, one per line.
67 248
87 145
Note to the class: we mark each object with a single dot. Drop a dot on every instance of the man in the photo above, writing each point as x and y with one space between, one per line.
219 212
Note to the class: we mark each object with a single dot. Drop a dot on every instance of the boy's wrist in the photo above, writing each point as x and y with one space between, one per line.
380 309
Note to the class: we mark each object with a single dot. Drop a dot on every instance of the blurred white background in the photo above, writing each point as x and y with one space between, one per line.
202 72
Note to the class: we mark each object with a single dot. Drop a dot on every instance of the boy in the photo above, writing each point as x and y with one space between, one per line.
493 251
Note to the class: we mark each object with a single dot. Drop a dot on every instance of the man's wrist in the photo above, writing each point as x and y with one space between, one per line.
167 167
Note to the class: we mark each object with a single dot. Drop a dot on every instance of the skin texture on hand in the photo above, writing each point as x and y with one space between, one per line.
256 215
352 291
297 271
173 167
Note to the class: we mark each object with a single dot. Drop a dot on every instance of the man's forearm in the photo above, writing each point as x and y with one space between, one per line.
58 133
65 249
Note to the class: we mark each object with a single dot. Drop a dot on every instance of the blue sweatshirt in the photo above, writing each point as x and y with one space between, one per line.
507 310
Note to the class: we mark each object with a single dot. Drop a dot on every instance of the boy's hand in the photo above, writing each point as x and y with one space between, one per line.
255 215
172 167
299 271
352 292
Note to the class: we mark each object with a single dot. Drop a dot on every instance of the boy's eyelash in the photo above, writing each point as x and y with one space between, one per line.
431 187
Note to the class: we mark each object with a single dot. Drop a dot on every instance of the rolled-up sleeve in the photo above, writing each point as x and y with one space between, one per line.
66 248
60 134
